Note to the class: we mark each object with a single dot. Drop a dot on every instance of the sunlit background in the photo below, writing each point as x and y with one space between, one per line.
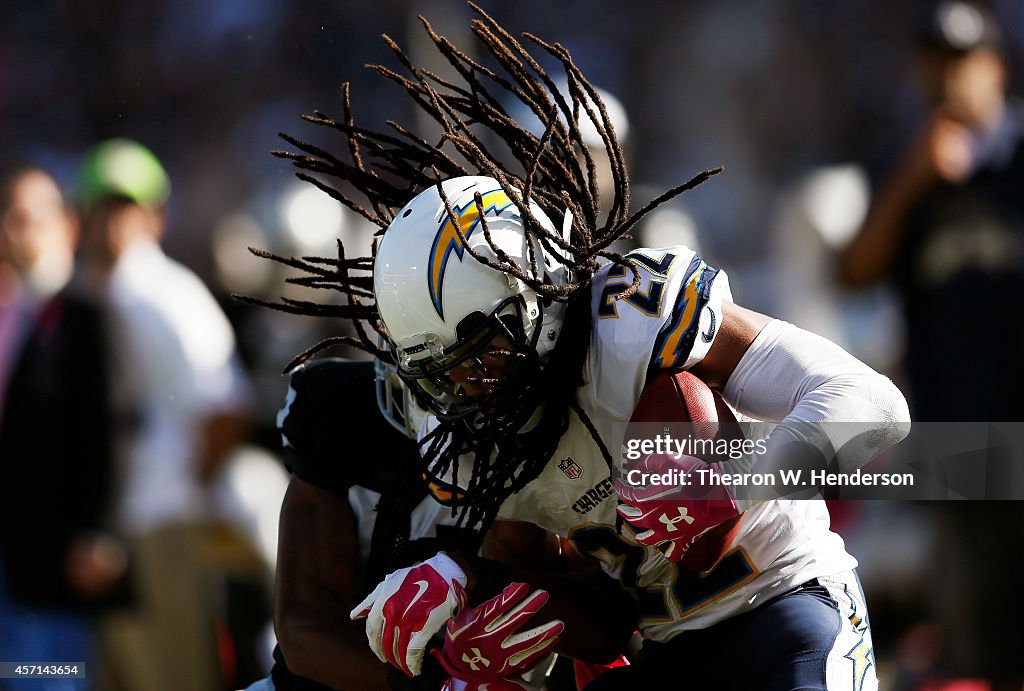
804 102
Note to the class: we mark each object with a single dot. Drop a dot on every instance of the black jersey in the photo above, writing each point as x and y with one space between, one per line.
334 436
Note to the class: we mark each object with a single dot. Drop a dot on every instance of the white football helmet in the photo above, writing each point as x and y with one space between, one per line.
441 306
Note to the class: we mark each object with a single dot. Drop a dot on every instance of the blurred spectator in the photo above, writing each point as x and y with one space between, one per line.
55 436
181 400
175 348
947 228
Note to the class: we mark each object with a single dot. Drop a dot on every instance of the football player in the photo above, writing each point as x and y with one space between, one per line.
362 520
535 344
344 523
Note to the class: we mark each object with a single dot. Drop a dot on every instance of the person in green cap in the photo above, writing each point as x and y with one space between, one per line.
183 399
123 190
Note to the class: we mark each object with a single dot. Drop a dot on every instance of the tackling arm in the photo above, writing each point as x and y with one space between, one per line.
316 556
599 616
411 605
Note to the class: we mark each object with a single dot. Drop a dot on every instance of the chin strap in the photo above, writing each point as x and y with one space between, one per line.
539 327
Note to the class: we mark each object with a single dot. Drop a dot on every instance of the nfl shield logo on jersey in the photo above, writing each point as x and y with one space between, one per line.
570 468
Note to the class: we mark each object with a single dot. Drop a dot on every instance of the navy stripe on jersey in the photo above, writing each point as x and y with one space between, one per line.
675 340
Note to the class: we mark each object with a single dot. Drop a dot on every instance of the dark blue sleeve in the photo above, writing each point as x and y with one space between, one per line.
332 432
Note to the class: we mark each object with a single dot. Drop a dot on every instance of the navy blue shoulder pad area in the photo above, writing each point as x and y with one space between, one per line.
334 436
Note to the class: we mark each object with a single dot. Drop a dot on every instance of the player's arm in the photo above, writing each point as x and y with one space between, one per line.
740 327
317 553
829 407
818 393
520 544
599 616
411 605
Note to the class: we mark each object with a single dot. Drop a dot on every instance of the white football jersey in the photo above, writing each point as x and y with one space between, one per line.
669 323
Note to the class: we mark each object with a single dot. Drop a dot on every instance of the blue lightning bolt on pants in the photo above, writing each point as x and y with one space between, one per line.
814 637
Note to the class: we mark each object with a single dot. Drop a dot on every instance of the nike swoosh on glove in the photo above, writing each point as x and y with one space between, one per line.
408 607
485 643
673 516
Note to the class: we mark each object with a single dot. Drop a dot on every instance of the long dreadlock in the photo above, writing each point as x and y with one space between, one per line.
556 171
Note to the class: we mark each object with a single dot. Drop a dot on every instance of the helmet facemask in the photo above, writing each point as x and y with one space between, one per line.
402 405
490 370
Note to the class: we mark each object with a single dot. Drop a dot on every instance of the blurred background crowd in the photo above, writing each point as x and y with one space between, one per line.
844 127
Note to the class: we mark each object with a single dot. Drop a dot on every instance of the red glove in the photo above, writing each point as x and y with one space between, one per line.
674 516
405 610
484 644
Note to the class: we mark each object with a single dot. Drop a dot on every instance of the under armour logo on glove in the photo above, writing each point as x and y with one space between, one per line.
673 518
409 607
670 523
484 644
477 659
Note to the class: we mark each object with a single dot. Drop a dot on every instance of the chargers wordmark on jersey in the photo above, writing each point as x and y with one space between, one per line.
594 496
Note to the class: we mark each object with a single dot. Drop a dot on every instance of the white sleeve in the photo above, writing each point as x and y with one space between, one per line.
818 393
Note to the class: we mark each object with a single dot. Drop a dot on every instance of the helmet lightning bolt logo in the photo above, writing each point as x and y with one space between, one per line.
447 239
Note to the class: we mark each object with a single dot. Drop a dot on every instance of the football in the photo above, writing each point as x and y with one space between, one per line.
682 397
688 406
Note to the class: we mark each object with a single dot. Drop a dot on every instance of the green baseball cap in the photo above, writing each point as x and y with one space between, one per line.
123 168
